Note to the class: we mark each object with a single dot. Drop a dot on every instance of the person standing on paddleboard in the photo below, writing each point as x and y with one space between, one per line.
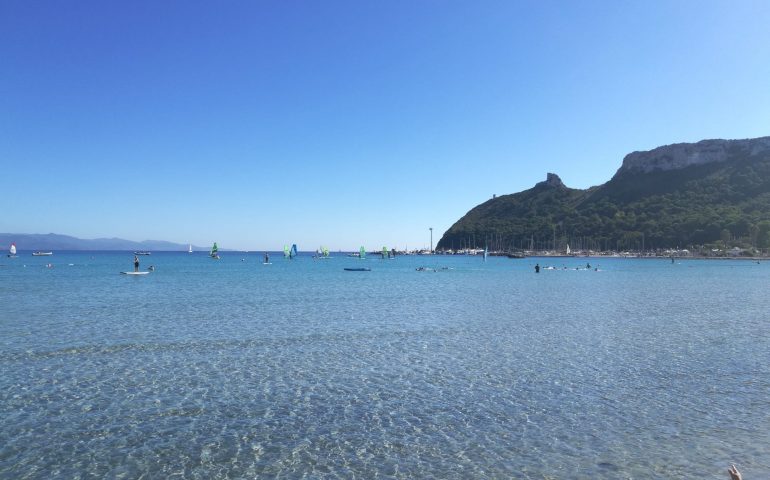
136 263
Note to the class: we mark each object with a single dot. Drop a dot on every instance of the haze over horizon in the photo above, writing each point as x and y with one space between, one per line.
345 123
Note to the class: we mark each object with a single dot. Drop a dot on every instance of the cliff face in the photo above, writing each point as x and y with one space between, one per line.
676 195
551 180
683 155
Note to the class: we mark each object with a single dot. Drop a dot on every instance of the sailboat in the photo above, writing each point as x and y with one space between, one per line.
12 251
189 248
290 252
214 252
384 253
568 250
486 253
362 253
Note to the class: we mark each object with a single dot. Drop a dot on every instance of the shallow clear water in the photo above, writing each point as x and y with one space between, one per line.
234 369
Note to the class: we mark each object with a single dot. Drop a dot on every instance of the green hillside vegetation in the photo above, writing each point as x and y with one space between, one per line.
715 205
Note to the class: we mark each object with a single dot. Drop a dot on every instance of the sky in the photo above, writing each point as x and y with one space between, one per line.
344 123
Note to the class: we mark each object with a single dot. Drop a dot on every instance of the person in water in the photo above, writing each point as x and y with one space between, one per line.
734 473
537 268
136 263
267 258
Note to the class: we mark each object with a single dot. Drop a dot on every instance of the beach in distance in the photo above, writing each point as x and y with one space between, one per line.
424 366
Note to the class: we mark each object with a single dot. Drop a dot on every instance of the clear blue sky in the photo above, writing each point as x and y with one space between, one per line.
259 123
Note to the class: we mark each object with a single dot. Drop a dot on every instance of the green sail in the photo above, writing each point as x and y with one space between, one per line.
362 252
286 251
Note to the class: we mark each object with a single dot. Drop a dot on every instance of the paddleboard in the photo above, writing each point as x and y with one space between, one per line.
135 273
267 263
358 269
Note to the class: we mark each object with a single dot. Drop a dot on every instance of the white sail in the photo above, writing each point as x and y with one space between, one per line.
189 248
568 250
12 250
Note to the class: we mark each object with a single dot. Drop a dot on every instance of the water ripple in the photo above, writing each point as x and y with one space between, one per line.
633 372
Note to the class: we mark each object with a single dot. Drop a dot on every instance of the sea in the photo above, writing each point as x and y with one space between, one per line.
462 369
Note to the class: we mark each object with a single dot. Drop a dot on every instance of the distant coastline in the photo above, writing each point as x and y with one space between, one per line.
713 254
55 241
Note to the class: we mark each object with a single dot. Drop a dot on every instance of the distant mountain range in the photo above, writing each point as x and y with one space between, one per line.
53 241
714 192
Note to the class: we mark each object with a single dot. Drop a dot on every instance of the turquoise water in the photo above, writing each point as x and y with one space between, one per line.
234 369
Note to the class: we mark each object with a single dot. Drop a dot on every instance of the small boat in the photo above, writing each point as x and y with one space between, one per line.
42 254
143 253
214 252
189 248
12 251
358 269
